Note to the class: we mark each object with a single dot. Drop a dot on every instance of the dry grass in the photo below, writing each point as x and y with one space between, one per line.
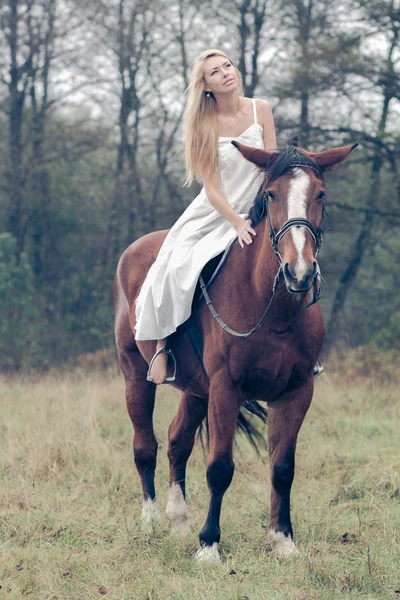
71 502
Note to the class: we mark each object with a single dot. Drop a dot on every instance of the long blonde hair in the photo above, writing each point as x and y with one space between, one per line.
201 122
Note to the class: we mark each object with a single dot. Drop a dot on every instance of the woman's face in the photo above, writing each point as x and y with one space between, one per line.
219 75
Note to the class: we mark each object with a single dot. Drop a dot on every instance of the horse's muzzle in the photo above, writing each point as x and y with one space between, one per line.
296 284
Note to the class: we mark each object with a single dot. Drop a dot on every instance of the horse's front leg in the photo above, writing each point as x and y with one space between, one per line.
285 417
223 409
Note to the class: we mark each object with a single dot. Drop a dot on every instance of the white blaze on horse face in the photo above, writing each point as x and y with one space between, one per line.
297 207
177 511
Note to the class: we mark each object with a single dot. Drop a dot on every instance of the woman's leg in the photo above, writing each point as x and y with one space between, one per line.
158 371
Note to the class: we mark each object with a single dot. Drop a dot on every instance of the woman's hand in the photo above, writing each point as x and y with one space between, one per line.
244 231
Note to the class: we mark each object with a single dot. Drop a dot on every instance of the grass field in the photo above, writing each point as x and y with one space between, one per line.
70 500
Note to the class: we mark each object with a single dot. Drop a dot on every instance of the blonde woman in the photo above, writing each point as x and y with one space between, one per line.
216 113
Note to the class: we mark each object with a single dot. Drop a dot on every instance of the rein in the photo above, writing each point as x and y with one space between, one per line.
274 238
222 323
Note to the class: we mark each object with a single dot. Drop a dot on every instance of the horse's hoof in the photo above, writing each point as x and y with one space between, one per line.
177 511
150 516
180 528
208 554
282 546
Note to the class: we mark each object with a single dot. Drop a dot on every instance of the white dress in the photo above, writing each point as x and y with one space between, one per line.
200 234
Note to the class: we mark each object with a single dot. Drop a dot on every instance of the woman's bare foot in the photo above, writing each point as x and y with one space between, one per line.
158 371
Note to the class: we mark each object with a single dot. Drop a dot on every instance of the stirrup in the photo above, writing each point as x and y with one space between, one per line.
168 351
318 370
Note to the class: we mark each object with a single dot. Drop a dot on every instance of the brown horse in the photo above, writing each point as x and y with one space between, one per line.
274 364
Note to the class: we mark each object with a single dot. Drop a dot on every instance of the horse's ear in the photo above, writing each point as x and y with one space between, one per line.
261 158
330 158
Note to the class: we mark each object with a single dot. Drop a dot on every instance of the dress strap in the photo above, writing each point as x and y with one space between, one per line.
254 110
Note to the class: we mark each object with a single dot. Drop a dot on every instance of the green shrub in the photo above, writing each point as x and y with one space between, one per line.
370 362
20 324
389 336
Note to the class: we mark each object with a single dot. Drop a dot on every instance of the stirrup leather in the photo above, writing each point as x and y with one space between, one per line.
168 351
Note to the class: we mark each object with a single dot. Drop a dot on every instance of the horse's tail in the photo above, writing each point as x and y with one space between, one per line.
250 410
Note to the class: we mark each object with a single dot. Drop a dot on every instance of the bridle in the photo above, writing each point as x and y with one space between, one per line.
316 234
275 238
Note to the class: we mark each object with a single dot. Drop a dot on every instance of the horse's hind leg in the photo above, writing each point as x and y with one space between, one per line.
285 417
181 435
140 397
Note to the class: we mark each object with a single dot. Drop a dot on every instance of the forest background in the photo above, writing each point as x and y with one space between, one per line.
91 101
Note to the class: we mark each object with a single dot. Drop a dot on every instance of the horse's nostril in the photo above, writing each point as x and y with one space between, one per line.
288 273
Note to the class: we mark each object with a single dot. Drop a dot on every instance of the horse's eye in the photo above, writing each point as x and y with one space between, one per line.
321 196
271 195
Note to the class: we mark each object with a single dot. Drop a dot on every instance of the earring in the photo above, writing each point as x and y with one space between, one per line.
208 94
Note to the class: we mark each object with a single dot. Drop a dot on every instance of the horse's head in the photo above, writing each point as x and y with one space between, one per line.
292 198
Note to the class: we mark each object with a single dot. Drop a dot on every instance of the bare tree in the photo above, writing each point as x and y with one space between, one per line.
126 26
317 51
16 80
41 34
384 75
29 33
253 15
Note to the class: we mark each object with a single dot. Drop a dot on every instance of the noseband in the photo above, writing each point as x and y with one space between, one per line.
289 224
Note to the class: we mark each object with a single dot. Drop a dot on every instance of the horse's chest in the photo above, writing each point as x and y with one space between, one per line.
267 373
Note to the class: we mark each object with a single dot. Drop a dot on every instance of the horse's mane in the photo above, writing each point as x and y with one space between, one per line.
288 158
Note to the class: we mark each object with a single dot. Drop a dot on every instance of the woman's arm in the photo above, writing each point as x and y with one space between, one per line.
215 197
265 118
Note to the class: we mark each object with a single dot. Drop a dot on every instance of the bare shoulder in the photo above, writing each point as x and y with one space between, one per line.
263 107
266 120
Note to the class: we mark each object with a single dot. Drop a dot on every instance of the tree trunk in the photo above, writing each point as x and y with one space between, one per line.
304 12
17 94
44 247
125 216
250 35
